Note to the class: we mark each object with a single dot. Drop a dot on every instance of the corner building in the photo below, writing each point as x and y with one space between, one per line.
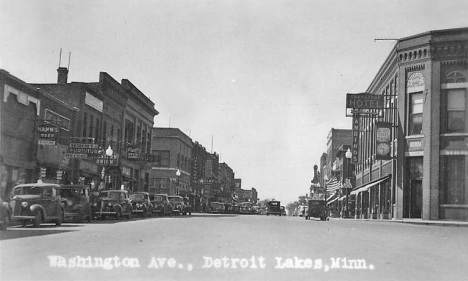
424 80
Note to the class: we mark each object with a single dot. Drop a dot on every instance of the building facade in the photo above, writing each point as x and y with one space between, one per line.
20 111
171 169
424 83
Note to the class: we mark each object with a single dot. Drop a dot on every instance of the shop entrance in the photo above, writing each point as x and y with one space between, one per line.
413 199
412 195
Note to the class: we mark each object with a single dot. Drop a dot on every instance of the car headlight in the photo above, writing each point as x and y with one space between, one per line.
24 204
109 204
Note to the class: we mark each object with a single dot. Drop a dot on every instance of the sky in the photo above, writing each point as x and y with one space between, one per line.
261 83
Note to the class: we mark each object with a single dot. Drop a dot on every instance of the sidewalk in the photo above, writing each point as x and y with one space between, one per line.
416 221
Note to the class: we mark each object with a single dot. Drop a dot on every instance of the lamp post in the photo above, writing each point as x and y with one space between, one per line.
348 154
109 153
177 182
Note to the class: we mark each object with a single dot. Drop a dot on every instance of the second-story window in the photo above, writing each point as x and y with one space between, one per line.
456 111
416 114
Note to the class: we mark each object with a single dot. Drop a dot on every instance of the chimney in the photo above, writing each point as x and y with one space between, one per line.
62 75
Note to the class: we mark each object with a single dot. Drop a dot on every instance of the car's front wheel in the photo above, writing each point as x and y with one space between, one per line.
37 219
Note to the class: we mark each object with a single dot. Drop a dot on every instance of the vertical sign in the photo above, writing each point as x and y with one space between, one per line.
383 140
355 146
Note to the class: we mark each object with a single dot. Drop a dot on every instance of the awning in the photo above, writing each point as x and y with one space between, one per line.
369 185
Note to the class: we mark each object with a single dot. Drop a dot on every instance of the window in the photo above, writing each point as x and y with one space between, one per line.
456 111
161 158
91 121
453 180
85 118
416 114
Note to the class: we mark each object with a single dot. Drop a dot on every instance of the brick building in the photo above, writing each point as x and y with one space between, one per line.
424 84
172 151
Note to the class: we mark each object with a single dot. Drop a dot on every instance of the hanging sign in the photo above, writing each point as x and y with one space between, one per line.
355 145
364 101
383 138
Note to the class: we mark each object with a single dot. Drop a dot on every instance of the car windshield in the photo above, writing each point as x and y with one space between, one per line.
137 196
158 198
112 195
29 190
273 203
175 199
70 193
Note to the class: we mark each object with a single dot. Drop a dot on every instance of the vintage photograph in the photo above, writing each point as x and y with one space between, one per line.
233 140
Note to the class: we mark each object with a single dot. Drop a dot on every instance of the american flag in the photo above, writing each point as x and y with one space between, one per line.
333 185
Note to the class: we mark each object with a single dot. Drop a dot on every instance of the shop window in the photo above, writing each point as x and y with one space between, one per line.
453 180
416 114
456 111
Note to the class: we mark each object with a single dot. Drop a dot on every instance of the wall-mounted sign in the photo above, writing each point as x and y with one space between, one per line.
94 102
133 153
364 101
57 120
383 140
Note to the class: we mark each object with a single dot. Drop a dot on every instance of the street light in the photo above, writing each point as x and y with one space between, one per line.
348 155
109 153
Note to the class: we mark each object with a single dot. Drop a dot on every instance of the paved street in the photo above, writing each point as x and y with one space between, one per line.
232 247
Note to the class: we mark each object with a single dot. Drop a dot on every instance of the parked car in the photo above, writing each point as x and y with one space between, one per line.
141 204
76 202
216 207
274 208
114 203
5 215
178 205
317 208
37 203
161 204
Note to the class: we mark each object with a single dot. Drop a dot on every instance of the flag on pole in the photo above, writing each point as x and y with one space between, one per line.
333 185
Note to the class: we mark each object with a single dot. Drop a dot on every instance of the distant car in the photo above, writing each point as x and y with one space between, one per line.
141 204
37 203
245 208
178 205
5 215
161 204
274 208
317 208
76 202
216 207
115 203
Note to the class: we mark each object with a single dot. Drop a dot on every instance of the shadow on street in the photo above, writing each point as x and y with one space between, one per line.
29 231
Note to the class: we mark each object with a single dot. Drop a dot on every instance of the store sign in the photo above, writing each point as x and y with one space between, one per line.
133 153
383 140
88 149
126 171
108 161
47 134
355 145
364 101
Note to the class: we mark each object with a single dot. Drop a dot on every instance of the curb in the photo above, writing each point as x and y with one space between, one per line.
415 222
